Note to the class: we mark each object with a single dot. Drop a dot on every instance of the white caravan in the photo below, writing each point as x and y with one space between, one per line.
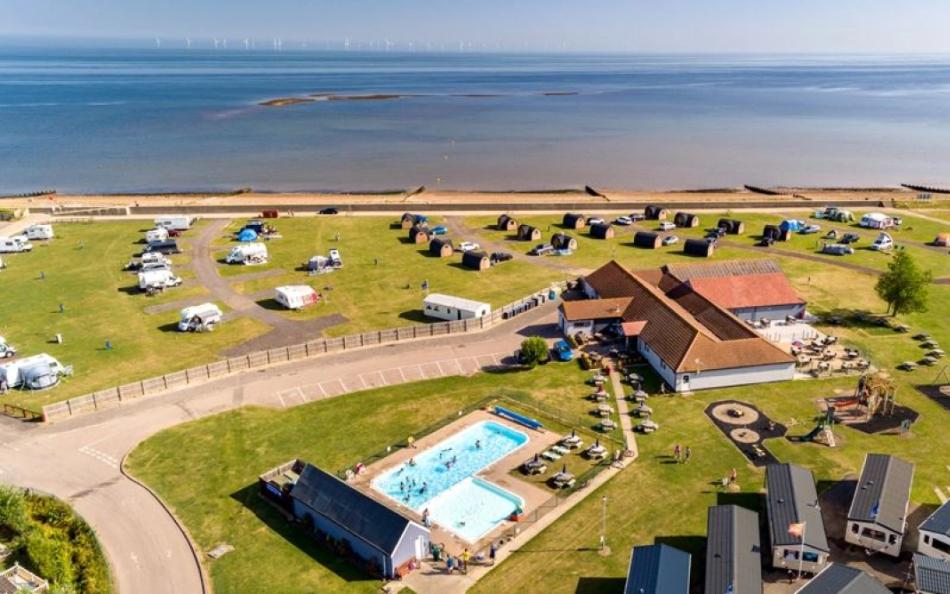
175 222
39 232
295 296
33 373
15 245
157 280
249 253
156 235
199 318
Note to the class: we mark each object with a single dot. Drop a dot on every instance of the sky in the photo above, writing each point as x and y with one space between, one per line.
692 26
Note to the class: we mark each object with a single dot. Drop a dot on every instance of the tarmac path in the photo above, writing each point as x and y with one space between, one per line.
79 460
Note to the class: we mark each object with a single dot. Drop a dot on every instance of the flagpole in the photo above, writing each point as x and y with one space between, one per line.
801 553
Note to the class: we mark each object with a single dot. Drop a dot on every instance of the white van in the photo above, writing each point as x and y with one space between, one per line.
7 351
15 245
33 373
199 318
156 235
175 222
883 243
39 232
158 279
295 296
249 253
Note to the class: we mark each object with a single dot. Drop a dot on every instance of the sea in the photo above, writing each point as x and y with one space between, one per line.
89 120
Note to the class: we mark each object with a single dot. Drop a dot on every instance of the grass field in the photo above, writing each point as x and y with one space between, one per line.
90 283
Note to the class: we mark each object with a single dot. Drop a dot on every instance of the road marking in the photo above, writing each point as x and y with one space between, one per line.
382 378
282 403
402 375
362 381
322 391
100 456
940 495
422 372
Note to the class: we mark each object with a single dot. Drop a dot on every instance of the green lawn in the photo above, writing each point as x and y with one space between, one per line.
91 284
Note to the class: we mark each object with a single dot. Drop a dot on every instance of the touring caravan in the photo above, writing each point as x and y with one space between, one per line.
33 373
163 247
837 249
249 253
175 222
150 261
156 235
7 351
39 232
199 318
877 220
883 243
15 245
150 280
295 296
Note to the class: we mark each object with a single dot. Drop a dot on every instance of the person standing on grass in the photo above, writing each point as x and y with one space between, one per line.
687 453
449 562
733 476
676 452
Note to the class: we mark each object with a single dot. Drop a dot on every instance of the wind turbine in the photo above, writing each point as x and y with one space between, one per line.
346 44
224 43
247 44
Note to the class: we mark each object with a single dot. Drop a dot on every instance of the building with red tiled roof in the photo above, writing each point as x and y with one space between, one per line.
690 340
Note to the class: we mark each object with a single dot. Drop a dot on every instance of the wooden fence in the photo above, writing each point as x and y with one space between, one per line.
114 396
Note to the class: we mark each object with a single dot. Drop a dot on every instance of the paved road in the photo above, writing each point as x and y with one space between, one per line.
79 460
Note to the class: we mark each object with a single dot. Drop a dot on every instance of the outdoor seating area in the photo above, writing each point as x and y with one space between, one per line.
825 355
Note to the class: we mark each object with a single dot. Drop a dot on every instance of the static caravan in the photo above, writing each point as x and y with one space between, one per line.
295 296
419 234
732 226
528 233
199 318
408 220
447 307
931 576
441 247
573 220
796 528
877 518
476 260
842 579
685 219
733 551
15 245
33 373
39 231
158 279
562 241
646 239
698 247
249 253
175 222
506 223
658 569
601 231
655 213
156 235
934 538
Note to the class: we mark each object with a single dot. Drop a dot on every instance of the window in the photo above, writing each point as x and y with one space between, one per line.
871 533
685 379
810 557
854 528
940 545
892 539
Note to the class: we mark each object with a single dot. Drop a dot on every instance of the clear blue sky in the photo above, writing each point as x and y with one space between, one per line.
867 26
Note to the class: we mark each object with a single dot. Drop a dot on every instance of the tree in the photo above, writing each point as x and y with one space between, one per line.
534 350
904 286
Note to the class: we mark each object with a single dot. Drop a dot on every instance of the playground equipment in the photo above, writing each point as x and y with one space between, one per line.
822 433
877 393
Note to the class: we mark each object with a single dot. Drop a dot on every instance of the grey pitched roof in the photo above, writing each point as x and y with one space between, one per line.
939 521
932 576
841 579
883 492
792 499
733 551
355 511
658 569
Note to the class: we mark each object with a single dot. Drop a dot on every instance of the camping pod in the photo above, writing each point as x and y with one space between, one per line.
573 220
646 239
476 260
528 233
506 223
698 247
441 247
775 233
601 231
409 220
732 226
655 213
562 241
418 234
942 240
685 219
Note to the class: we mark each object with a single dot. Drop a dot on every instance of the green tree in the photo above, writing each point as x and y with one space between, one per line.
13 512
534 350
904 286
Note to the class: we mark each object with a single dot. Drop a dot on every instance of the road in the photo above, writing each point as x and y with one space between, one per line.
79 460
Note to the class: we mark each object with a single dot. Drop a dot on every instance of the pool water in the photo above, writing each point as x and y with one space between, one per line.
441 480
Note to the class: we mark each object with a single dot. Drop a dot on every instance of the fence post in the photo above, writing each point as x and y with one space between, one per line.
95 403
165 381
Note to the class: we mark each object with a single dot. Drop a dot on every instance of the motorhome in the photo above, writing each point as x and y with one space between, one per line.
33 373
150 261
199 318
883 243
156 235
295 296
175 222
7 351
150 280
15 245
249 253
39 231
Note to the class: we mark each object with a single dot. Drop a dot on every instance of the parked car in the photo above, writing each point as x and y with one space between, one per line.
335 260
850 238
439 230
883 243
468 246
809 229
543 249
7 351
595 221
563 351
623 221
330 210
637 216
163 247
670 240
667 226
498 257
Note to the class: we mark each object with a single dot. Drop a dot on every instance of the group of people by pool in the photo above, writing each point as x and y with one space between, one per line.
409 486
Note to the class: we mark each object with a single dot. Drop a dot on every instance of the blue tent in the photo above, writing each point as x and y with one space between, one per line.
791 225
247 235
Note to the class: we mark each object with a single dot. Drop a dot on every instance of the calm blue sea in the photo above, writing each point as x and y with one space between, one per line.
85 120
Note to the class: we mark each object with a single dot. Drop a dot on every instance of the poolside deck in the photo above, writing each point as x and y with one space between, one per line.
498 474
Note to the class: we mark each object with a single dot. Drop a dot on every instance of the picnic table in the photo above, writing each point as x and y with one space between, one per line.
604 410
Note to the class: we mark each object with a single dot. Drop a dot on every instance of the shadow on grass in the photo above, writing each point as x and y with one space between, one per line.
415 315
131 290
461 266
599 585
297 535
171 327
752 501
271 304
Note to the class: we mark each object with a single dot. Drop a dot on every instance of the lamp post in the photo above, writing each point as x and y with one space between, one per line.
603 523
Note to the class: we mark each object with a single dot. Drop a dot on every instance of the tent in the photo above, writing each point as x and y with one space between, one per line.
685 219
698 247
646 239
942 239
247 235
791 225
775 233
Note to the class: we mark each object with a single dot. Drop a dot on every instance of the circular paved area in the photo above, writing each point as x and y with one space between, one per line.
733 413
744 436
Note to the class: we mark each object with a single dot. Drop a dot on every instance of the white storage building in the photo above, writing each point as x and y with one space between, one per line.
447 307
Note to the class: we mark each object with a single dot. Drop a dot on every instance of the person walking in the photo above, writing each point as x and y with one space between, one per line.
687 454
492 552
466 556
676 452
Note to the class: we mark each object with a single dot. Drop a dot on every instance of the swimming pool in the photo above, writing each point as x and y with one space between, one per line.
441 480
